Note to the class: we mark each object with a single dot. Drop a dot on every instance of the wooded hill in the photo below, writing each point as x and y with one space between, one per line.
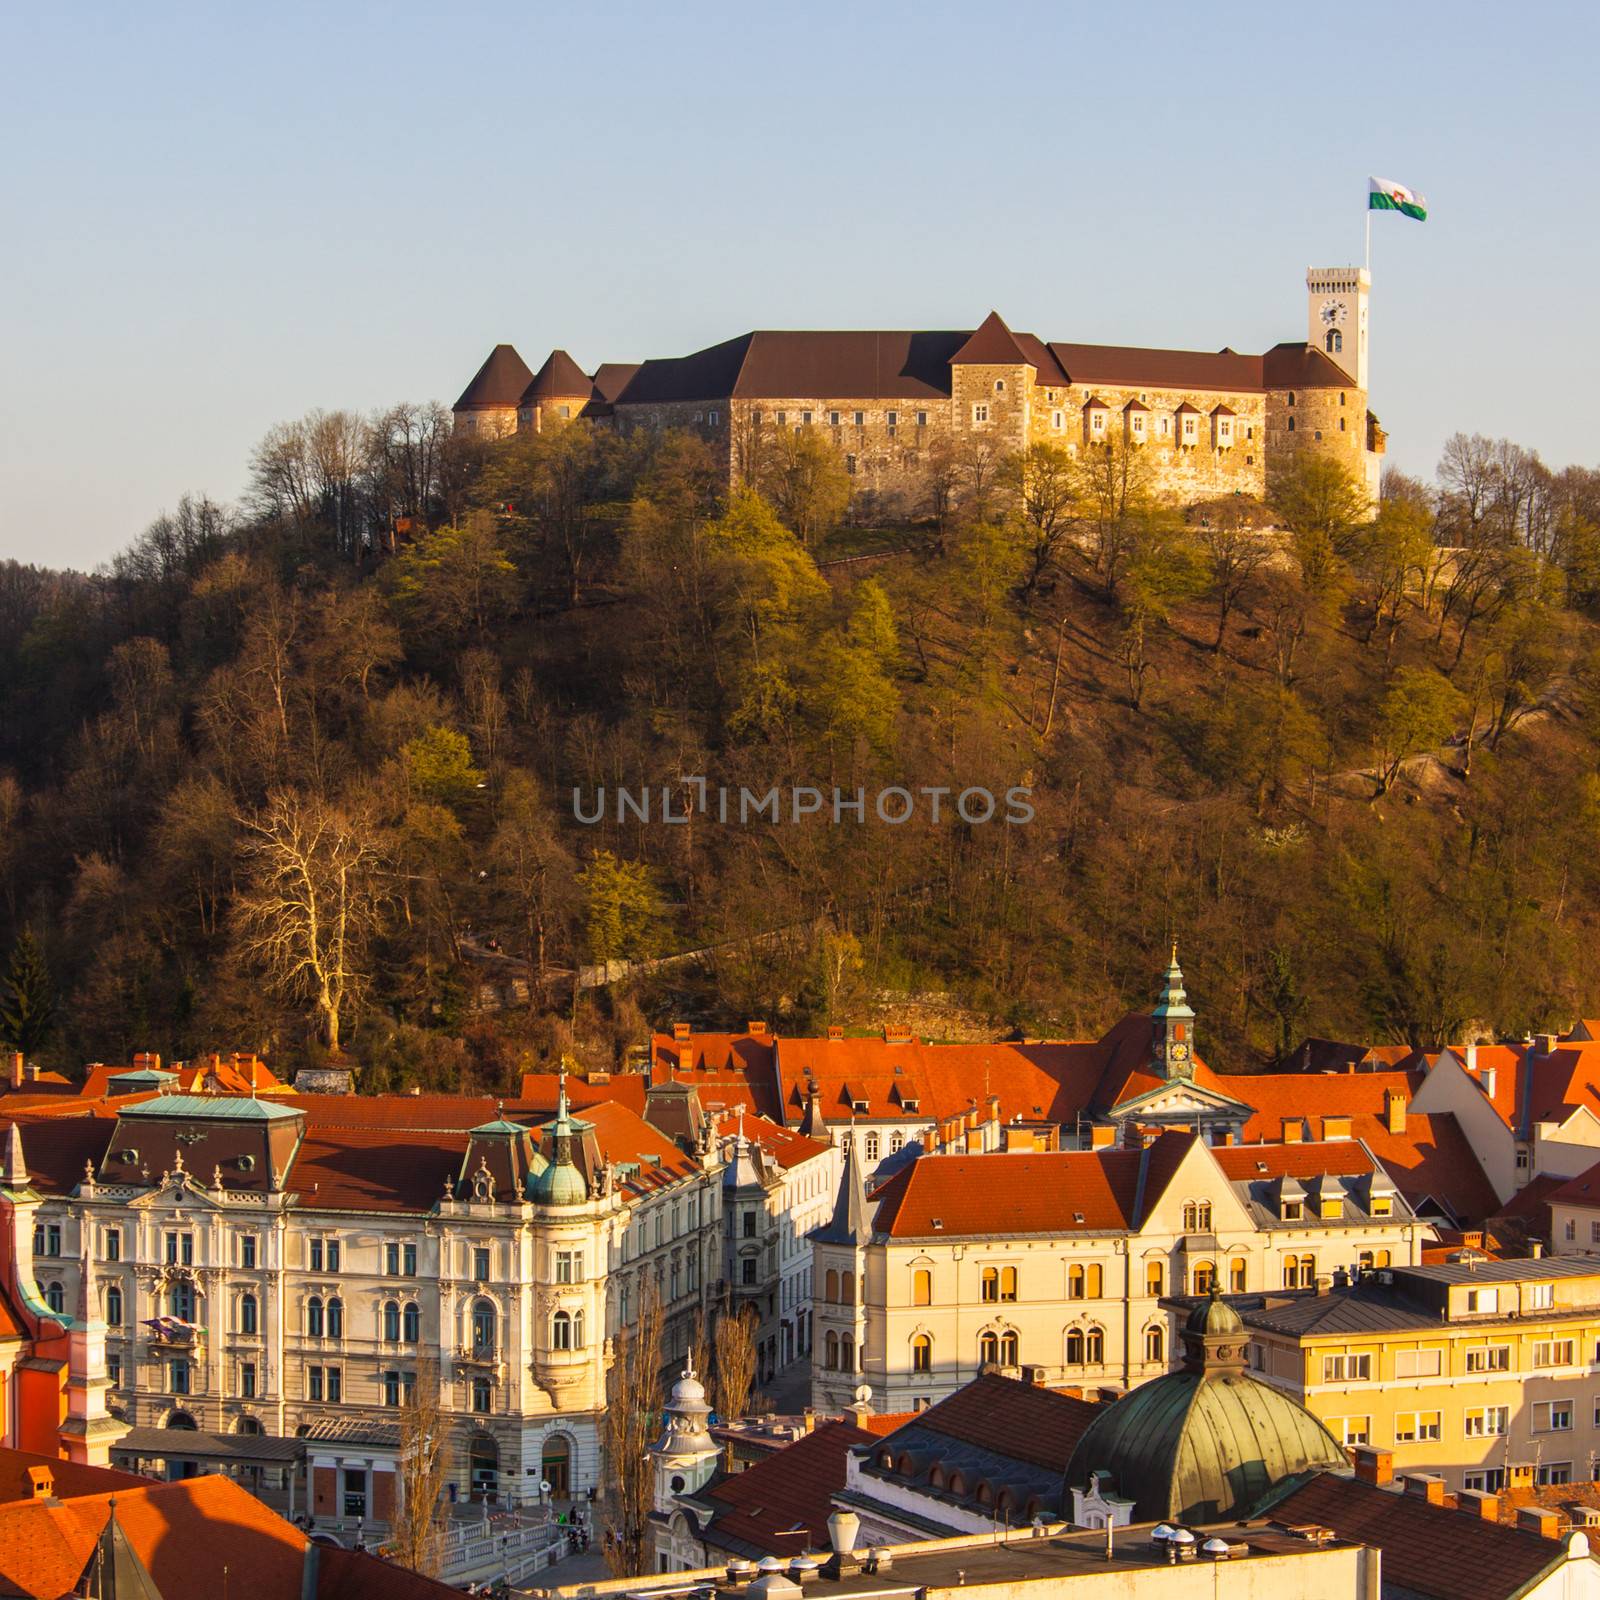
299 774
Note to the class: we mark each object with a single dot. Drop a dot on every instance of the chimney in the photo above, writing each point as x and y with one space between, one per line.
1472 1056
1226 1136
41 1483
1101 1138
1425 1486
17 1066
1374 1465
31 1072
1478 1503
756 1029
1545 1043
1294 1129
1535 1248
1487 1078
1536 1519
808 1419
1394 1111
835 1030
1336 1127
680 1032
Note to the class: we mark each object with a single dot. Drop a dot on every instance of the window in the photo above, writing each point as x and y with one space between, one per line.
1489 1358
391 1321
1097 422
830 1286
336 1319
114 1306
860 419
569 1266
1485 1422
1205 1274
989 1284
47 1239
1553 1472
1552 1416
833 419
922 1353
178 1376
1155 1277
980 413
870 1147
1488 1480
561 1331
114 1371
1346 1369
314 1385
247 1380
411 1323
1416 1427
805 419
1482 1300
247 1252
999 385
1418 1363
314 1316
830 1347
922 1287
174 1249
1197 1216
398 1387
1541 1296
1155 1344
1553 1353
714 418
391 1260
482 1393
847 1353
1189 427
315 1249
1291 423
893 419
1335 341
181 1301
782 418
1074 1351
1008 1283
480 1265
248 1314
1293 1211
113 1244
1085 1283
922 419
483 1320
1057 421
55 1297
335 1385
1236 1275
1594 1233
747 1273
1351 1430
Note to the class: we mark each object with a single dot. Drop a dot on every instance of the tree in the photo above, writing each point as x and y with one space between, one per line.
1161 569
1234 550
633 1409
1391 556
533 869
803 477
416 1540
313 903
28 998
736 1362
622 906
438 766
1043 482
1114 499
457 580
1418 713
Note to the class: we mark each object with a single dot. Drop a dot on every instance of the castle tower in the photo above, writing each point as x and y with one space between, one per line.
1336 316
1172 1026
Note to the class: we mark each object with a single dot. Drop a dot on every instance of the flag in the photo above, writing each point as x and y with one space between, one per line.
1384 194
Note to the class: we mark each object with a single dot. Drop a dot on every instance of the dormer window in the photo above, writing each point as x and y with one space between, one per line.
1136 427
1293 1210
1097 422
859 1106
1189 430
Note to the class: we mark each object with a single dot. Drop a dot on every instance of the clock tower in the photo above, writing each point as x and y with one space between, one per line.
1336 312
1172 1027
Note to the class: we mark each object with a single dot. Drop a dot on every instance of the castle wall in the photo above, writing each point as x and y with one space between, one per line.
1325 422
487 422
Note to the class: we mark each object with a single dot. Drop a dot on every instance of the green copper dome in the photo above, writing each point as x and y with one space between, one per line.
1208 1443
561 1183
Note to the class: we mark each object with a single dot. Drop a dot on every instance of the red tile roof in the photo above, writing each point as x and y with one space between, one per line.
791 1489
1427 1550
786 1147
1244 1163
70 1478
1010 1418
375 1169
731 1068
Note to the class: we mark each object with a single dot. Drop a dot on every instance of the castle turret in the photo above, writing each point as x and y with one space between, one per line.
557 393
488 405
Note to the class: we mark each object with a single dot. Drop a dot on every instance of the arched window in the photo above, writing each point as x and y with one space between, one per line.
847 1288
411 1323
922 1353
1075 1347
1197 1216
1308 1272
897 1143
247 1314
1155 1345
830 1347
391 1321
561 1331
1236 1272
1155 1278
1335 341
1094 1352
1291 1272
481 1395
483 1325
922 1287
336 1318
1008 1350
830 1286
577 1330
180 1301
847 1352
314 1316
55 1297
989 1284
989 1349
1205 1274
114 1306
1291 424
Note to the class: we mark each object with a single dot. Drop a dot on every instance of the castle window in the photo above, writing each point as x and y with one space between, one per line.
922 419
893 419
1056 421
1164 427
714 418
1341 424
1291 397
783 417
999 385
565 413
1188 428
1291 424
861 418
850 465
980 414
805 419
1335 341
833 419
1341 397
1097 422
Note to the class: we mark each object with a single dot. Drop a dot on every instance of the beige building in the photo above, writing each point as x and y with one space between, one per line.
1481 1372
1056 1265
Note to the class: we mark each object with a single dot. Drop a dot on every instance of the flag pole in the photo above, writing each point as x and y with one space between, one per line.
1369 236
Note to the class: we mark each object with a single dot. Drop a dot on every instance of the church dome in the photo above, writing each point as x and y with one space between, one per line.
1207 1443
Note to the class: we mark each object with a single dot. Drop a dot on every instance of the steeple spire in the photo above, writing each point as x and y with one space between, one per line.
852 1217
1172 1026
16 1169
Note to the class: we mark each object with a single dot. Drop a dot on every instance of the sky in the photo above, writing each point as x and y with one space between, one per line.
219 217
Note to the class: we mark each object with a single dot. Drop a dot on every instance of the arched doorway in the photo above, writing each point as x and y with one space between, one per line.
181 1422
483 1464
555 1466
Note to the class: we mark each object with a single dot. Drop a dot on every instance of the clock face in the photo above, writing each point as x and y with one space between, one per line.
1333 312
1179 1052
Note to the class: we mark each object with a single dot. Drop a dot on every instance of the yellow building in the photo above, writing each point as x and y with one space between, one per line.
1482 1372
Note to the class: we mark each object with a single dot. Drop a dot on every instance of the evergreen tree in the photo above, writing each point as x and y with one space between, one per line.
27 1001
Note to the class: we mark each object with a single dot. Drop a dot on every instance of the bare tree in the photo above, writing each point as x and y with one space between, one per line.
736 1362
633 1409
313 904
1234 552
417 1539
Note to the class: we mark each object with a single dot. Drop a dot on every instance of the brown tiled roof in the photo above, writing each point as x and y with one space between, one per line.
56 1148
1159 369
991 346
1427 1550
356 1575
559 378
792 1488
70 1477
1010 1418
499 382
1302 366
1244 1163
612 377
375 1169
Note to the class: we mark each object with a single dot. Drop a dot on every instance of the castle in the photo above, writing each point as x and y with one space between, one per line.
898 404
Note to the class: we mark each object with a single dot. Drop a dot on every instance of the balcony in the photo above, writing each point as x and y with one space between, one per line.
484 1355
172 1333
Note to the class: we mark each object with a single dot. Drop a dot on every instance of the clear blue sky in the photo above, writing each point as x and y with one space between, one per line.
220 216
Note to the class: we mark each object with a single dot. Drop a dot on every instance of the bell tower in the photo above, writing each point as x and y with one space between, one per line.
1172 1027
1336 316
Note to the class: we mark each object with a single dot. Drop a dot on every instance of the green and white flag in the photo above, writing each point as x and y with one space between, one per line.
1384 194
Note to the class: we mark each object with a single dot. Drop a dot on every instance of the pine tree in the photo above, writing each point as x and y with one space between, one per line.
27 998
